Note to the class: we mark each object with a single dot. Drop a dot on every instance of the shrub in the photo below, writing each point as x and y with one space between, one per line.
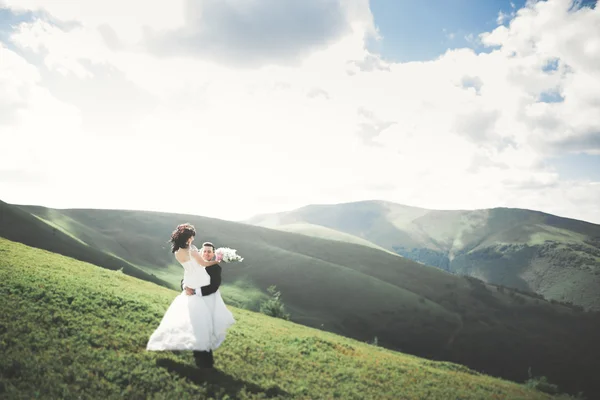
274 307
541 383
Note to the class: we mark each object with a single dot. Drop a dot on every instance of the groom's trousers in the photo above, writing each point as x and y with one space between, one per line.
204 359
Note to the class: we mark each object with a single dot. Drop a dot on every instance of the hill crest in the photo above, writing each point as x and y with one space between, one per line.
556 257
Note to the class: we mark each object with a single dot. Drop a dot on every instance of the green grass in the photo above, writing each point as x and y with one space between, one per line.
171 273
59 227
355 291
72 330
45 228
551 233
243 294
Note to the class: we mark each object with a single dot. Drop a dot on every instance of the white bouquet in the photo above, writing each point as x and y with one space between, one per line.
226 254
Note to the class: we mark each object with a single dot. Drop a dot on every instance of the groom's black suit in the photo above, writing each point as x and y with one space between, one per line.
214 271
205 358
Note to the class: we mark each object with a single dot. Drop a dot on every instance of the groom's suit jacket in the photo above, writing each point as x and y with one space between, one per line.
214 271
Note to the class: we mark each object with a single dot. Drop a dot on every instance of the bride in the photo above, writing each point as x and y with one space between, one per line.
189 323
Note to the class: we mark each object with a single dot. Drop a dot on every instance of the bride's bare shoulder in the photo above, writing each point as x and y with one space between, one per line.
182 256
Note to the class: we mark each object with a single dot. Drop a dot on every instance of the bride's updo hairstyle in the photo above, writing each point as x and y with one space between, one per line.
180 236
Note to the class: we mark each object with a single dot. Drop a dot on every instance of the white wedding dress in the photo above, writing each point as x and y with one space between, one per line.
193 322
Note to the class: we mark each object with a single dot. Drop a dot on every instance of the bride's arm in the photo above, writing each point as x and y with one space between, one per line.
201 261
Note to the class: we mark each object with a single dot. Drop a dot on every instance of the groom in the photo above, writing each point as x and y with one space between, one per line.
204 359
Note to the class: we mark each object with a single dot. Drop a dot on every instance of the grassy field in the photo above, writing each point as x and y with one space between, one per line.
53 231
71 330
509 247
359 292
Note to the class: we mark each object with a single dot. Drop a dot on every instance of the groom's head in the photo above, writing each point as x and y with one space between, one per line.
208 251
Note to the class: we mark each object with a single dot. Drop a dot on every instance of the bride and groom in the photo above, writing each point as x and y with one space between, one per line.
198 318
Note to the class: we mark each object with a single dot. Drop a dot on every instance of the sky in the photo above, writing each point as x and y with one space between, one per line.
232 108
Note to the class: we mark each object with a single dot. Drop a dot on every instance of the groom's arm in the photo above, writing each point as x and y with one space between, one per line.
186 288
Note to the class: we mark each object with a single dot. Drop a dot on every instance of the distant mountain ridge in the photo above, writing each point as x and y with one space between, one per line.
556 257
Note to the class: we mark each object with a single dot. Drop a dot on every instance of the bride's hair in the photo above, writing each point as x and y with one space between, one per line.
180 236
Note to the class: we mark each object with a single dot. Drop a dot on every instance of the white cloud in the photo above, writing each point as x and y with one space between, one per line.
252 33
128 19
135 129
35 127
57 47
501 17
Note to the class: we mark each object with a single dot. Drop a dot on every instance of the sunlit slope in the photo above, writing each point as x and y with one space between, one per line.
46 231
529 250
368 294
73 330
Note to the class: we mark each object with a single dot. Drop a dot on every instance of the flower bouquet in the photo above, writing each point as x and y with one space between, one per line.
226 254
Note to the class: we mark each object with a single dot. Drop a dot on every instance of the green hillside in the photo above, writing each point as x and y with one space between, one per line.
556 257
326 233
71 330
54 232
363 293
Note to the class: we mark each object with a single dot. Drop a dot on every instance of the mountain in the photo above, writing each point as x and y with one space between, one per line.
556 257
326 233
357 291
71 330
22 226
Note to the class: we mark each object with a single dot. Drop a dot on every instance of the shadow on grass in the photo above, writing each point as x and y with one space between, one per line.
217 382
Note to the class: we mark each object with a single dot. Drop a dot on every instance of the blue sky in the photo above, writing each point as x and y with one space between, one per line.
411 30
577 166
9 20
422 30
117 78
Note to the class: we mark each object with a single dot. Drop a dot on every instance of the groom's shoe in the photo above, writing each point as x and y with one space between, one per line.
204 359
